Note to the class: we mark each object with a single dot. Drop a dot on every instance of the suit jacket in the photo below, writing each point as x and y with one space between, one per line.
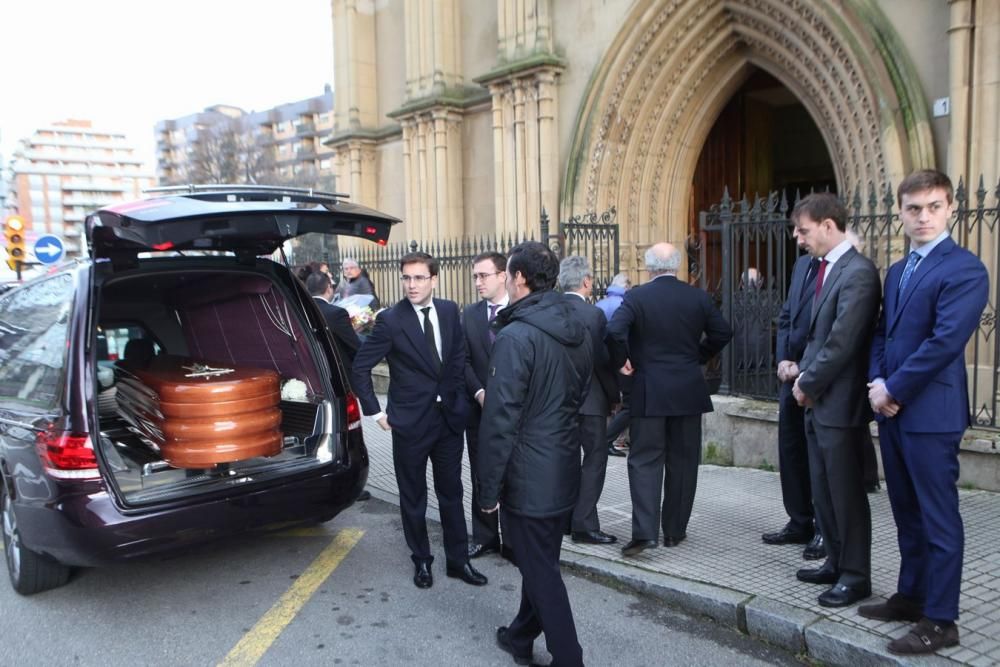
793 320
602 390
475 326
668 329
920 340
834 364
339 324
414 380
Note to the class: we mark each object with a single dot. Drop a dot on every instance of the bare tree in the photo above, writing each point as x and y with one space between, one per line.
230 152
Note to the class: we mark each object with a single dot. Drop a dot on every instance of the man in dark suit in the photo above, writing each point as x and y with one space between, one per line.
421 338
490 275
831 386
320 286
933 303
793 454
576 280
530 459
667 329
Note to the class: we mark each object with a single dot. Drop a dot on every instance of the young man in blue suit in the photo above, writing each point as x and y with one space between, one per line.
421 339
933 301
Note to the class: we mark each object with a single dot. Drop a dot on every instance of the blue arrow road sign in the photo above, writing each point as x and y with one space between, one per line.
48 249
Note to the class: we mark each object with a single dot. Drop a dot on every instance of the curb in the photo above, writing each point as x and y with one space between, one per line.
799 631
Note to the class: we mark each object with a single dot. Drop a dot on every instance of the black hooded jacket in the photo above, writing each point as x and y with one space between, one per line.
539 370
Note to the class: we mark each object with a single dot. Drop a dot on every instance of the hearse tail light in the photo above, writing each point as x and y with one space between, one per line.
353 412
67 455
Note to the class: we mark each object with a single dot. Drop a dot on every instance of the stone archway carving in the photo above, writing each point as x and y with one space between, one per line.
674 65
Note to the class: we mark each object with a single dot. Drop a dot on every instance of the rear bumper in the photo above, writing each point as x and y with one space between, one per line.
89 529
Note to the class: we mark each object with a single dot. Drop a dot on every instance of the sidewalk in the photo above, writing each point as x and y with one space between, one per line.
724 570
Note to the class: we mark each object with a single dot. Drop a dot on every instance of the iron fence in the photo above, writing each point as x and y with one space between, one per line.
744 252
595 236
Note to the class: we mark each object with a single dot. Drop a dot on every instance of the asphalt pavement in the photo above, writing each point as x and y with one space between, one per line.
724 571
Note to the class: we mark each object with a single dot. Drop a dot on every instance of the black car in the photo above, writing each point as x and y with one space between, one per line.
183 273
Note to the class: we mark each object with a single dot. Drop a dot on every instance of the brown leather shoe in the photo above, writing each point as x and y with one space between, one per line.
897 608
925 637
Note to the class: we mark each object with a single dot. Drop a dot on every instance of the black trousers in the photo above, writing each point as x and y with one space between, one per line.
544 603
621 420
443 449
485 527
663 474
842 510
591 434
793 463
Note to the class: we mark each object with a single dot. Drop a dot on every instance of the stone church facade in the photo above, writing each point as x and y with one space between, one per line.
469 117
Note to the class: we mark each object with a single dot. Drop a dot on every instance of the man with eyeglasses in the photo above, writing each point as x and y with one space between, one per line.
421 339
490 276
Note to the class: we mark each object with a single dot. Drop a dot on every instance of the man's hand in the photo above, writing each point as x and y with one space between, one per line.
383 421
787 370
800 396
627 368
492 510
881 401
481 397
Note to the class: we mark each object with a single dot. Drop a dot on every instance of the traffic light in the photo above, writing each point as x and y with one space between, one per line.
13 231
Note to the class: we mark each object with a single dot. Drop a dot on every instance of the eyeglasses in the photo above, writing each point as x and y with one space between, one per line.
484 276
419 280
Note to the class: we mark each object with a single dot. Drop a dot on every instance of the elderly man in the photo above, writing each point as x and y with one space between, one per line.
667 329
577 282
355 281
529 457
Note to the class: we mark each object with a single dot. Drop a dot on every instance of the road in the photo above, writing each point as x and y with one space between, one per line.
335 594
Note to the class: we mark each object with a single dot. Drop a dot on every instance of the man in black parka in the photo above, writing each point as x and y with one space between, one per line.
529 460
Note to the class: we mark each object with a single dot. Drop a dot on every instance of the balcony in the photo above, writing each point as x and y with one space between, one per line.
92 186
305 129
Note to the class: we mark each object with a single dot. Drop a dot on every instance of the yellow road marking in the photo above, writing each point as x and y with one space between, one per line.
255 643
308 531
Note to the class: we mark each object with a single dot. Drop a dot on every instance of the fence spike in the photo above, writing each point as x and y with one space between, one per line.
872 197
981 193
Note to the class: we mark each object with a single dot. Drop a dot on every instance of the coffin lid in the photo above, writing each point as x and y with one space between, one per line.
236 218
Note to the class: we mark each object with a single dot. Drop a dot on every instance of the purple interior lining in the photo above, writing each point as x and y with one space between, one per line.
237 329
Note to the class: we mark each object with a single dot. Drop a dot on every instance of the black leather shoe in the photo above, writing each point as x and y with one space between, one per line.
365 495
467 573
593 537
815 550
503 641
843 596
673 541
614 451
477 550
786 536
636 547
818 575
897 608
422 577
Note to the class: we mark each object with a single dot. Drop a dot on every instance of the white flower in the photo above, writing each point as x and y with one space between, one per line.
294 390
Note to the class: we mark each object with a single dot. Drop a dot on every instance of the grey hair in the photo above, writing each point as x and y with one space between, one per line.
349 261
657 264
572 271
620 280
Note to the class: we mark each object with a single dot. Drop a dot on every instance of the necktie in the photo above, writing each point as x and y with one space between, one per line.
819 278
493 315
429 335
911 264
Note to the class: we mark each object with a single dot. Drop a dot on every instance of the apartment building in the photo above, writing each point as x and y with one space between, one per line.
284 143
66 170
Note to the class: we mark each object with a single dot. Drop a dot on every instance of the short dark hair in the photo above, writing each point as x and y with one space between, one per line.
317 283
922 181
822 205
419 258
536 263
499 261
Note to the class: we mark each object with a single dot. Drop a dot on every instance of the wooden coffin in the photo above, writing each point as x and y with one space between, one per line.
199 414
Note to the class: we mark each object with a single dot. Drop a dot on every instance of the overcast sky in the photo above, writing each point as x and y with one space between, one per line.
126 64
